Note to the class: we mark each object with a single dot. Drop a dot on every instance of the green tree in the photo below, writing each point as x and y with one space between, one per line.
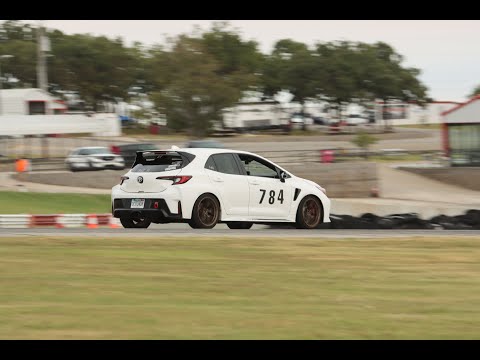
475 92
363 140
293 67
195 93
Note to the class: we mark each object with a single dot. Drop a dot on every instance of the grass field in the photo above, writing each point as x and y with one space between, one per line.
422 126
418 288
12 202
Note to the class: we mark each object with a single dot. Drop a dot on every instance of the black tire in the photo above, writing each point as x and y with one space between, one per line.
244 225
205 213
71 168
129 223
309 213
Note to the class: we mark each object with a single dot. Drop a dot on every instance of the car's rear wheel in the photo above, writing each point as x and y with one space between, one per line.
206 212
239 225
309 213
136 222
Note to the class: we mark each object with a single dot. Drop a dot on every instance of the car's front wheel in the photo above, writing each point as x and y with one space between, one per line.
206 212
139 223
309 213
244 225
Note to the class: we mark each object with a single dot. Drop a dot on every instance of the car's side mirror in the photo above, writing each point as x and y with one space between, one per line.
283 176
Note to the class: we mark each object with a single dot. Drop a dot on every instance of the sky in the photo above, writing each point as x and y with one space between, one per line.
446 51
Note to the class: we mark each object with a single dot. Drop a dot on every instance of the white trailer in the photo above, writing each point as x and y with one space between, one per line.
258 115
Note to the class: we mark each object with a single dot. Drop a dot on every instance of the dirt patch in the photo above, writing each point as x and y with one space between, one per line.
466 177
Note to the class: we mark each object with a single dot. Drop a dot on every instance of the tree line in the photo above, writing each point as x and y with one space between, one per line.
191 78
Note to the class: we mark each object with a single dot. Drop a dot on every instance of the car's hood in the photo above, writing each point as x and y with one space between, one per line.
314 184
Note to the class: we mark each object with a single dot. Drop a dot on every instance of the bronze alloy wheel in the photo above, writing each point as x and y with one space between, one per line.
311 212
207 212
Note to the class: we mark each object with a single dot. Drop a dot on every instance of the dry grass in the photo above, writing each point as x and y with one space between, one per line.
200 288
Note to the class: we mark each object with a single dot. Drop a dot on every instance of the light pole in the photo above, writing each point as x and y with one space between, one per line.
1 80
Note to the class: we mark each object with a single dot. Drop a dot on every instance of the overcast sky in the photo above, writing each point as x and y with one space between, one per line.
447 51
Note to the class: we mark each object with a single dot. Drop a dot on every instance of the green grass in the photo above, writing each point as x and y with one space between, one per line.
48 203
422 126
201 288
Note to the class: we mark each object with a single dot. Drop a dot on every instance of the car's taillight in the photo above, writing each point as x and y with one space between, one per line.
177 180
123 178
115 149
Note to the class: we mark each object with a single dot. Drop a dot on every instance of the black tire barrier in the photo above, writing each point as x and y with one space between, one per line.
468 221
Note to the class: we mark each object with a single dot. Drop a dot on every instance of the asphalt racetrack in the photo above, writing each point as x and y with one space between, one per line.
221 230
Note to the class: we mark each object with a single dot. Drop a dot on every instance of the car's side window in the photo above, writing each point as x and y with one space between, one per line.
257 167
83 152
225 163
210 164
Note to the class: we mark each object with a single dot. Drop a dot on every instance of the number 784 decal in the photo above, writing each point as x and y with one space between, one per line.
271 197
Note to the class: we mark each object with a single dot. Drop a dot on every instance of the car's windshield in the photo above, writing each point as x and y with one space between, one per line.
140 147
206 144
94 151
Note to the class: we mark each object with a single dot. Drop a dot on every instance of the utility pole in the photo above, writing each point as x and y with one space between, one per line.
42 47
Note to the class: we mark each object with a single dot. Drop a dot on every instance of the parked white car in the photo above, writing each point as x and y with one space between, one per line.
94 158
205 186
297 121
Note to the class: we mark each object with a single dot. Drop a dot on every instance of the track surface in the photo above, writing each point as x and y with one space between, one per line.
257 231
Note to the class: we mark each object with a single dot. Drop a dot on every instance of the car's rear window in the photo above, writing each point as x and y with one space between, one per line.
159 163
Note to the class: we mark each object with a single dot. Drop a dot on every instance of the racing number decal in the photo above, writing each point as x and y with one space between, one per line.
271 198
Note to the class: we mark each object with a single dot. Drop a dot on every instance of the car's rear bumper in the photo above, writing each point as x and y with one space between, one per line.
154 209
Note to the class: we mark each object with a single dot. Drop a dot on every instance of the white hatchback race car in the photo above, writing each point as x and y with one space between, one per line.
206 186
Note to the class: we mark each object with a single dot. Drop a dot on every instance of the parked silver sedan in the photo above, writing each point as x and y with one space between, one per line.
94 158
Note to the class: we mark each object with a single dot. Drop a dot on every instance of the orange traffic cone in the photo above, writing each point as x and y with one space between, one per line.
92 221
114 223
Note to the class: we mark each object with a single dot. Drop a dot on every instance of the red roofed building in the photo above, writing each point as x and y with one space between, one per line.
461 133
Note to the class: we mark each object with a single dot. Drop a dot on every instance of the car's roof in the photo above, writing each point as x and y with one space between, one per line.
204 153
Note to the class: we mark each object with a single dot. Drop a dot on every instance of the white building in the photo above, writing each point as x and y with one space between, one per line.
49 116
30 101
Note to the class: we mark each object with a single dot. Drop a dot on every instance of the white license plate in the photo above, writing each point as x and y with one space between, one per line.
137 203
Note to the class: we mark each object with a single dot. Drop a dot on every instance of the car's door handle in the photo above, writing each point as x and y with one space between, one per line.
254 182
217 179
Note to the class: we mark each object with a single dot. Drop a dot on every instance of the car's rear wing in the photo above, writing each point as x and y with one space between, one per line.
146 157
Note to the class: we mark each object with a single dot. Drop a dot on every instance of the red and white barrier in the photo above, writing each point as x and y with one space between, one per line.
91 221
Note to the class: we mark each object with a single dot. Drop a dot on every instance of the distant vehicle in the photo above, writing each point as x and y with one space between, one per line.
203 187
129 151
299 121
94 158
206 143
318 120
356 119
